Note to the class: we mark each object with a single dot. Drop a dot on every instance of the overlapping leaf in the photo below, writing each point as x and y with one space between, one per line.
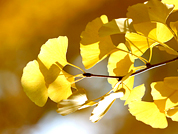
103 106
153 10
93 47
119 63
117 26
136 94
46 73
165 91
149 113
173 2
33 83
76 101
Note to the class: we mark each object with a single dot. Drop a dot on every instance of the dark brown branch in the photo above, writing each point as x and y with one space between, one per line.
149 67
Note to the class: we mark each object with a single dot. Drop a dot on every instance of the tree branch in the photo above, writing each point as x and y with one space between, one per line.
149 67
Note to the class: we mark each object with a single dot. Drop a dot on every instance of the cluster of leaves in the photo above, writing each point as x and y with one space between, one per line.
144 29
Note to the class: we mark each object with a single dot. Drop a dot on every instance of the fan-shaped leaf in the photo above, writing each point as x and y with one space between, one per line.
149 113
33 83
94 48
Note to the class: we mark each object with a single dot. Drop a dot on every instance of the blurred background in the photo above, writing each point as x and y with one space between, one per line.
24 27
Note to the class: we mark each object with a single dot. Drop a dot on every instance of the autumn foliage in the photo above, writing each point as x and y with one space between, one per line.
144 29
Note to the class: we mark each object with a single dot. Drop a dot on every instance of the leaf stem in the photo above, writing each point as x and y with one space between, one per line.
149 67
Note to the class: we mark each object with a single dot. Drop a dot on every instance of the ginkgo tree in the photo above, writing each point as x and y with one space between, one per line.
145 28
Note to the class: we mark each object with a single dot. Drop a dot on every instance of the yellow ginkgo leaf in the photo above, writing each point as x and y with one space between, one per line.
103 106
75 102
138 44
173 113
94 48
61 88
153 10
149 113
54 50
116 26
174 27
171 82
136 94
144 27
163 33
33 83
160 91
168 50
173 2
119 63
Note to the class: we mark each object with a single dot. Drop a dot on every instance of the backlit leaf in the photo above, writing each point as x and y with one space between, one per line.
173 113
138 44
116 26
103 106
171 82
94 48
153 10
61 88
160 91
136 94
73 103
119 63
149 113
174 27
54 50
174 2
168 50
33 83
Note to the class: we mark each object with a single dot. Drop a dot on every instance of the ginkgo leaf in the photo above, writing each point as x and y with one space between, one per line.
138 44
160 91
173 2
94 48
136 94
171 82
153 10
119 63
116 26
163 33
33 83
73 103
61 88
173 113
54 50
168 50
103 106
174 27
149 113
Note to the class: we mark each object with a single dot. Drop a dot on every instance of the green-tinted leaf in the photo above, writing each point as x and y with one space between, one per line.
54 50
33 83
94 48
149 113
103 106
116 26
153 10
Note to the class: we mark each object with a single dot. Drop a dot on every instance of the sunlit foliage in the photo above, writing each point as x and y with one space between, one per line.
145 28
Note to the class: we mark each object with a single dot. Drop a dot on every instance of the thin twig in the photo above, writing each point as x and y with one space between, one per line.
149 67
